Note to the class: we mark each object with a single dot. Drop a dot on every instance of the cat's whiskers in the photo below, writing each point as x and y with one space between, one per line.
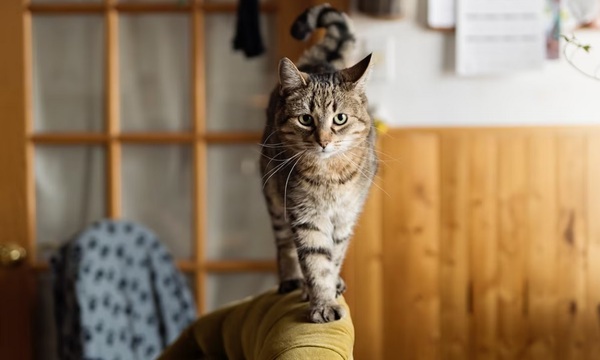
277 167
273 171
365 175
286 184
268 137
379 152
276 146
274 158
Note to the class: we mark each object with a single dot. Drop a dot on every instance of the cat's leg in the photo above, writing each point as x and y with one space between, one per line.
288 267
343 225
340 246
315 252
290 273
341 240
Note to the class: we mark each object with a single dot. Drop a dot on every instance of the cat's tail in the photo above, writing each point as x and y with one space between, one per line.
337 44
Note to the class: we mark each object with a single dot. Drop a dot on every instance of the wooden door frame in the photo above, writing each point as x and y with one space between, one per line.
16 285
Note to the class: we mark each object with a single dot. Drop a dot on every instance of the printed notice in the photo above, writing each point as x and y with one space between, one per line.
499 36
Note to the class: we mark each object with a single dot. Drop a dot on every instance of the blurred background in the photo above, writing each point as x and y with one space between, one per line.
480 240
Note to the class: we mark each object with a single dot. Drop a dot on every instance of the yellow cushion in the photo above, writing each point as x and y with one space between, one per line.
268 326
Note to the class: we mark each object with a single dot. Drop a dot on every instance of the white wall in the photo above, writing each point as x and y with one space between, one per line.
427 92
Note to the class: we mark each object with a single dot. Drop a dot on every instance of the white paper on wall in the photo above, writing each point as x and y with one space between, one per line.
441 13
499 36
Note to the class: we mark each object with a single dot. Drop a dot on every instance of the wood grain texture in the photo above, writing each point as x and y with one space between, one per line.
112 121
541 264
593 251
454 247
16 290
512 245
532 199
572 246
483 246
200 206
365 281
530 203
411 249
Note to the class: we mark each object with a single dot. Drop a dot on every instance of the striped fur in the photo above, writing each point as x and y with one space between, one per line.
317 173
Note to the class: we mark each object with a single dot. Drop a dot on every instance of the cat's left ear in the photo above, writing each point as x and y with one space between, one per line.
289 75
359 73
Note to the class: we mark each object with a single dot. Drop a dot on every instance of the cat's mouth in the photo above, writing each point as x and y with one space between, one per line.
325 152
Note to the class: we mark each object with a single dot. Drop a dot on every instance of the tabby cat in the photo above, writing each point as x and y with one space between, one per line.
318 160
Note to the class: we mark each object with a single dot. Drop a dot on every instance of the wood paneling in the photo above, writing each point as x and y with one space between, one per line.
366 300
542 214
491 245
572 245
512 245
483 252
411 249
593 252
454 247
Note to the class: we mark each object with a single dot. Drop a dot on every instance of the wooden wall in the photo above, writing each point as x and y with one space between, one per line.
483 243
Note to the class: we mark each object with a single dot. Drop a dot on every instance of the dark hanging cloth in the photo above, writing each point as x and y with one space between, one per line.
247 32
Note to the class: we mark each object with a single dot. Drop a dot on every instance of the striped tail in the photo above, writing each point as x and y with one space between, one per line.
337 44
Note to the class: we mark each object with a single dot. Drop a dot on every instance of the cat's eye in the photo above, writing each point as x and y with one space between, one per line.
340 119
305 120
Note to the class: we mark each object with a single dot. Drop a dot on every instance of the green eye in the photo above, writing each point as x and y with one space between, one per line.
305 120
340 119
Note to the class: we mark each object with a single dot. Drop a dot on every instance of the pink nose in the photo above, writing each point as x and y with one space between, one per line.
324 143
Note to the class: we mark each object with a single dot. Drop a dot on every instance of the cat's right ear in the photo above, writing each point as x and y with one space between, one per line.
289 75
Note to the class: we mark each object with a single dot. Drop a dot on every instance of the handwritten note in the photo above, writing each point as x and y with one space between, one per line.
499 36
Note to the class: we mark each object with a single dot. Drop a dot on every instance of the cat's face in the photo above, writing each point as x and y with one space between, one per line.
324 114
325 119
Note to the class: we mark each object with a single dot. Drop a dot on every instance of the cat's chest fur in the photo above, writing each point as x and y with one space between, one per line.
331 187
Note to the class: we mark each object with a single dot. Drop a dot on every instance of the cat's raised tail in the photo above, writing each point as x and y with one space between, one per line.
335 47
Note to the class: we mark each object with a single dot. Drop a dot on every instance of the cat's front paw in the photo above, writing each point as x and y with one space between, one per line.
326 313
287 286
340 287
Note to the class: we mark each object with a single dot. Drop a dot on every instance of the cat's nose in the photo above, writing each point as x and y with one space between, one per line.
324 143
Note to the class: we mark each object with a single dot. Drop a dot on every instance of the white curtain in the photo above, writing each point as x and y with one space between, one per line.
238 223
155 72
68 73
237 88
69 96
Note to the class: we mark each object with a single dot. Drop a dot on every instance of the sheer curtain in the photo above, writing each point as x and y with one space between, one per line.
69 96
155 72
